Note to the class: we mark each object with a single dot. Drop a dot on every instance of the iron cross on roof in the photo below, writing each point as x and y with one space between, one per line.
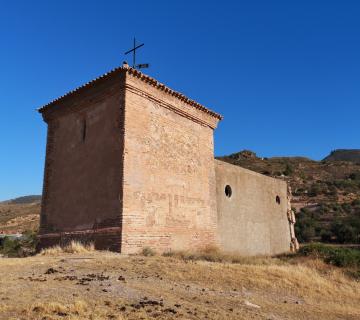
133 50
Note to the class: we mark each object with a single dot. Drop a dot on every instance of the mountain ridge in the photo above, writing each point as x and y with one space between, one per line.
352 155
23 199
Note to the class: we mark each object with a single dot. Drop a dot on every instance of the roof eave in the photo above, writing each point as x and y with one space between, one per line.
141 76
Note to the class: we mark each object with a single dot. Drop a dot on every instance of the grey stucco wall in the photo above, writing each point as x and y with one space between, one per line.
251 221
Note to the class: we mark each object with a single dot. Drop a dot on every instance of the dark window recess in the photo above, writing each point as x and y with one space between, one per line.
228 191
278 200
84 131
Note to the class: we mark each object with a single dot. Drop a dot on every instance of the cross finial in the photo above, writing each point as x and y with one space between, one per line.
133 50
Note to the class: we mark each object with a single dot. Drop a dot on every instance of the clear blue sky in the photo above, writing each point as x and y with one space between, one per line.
285 74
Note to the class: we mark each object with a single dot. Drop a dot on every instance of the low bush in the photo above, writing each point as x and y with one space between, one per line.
345 232
11 248
355 176
337 256
288 170
326 236
332 222
347 185
306 225
19 247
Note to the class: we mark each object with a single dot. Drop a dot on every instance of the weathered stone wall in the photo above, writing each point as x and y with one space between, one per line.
169 177
251 221
83 171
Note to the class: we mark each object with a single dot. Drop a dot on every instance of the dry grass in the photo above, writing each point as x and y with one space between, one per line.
74 311
104 285
148 252
3 308
214 254
72 247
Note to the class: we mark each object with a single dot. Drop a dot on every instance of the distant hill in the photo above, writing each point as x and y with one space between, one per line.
20 214
24 200
326 194
352 155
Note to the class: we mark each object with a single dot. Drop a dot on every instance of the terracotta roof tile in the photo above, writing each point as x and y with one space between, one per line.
147 79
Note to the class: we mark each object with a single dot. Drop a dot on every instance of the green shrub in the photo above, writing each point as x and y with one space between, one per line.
29 239
346 207
326 235
337 256
347 185
306 225
355 176
314 190
11 248
19 247
315 249
344 232
343 257
307 233
288 170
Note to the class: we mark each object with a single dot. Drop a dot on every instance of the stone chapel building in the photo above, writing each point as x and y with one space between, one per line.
130 164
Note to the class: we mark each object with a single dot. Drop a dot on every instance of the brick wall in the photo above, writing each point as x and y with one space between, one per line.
83 170
169 177
130 164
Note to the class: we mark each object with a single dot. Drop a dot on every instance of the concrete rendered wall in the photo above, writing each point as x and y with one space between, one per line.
169 176
83 172
251 222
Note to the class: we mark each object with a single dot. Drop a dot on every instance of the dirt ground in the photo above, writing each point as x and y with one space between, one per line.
103 285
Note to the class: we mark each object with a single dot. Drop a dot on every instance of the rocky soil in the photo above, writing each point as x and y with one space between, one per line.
103 285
